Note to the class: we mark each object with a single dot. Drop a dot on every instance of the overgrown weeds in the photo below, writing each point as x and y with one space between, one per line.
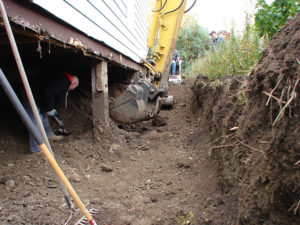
235 57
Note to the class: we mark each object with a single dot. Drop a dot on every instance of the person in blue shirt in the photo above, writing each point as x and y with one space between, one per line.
217 41
175 61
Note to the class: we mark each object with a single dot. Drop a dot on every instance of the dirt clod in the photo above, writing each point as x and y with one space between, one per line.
106 168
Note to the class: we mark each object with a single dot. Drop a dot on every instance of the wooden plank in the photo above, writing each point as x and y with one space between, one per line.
100 96
101 76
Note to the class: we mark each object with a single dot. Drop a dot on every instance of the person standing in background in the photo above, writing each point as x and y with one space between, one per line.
217 41
175 61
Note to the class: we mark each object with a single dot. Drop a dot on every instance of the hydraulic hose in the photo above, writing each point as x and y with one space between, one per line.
161 7
191 6
174 10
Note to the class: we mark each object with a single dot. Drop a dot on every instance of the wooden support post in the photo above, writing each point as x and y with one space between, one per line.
100 96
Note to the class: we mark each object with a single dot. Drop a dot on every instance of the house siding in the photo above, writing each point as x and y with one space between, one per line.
120 24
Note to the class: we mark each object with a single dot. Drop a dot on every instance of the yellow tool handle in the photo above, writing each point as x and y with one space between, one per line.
66 182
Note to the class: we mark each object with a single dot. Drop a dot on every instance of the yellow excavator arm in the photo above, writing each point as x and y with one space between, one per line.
163 35
142 99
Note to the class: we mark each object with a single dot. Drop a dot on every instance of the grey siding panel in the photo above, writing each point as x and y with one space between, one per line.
140 13
120 5
121 24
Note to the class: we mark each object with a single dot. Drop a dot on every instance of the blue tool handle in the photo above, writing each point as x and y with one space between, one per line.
20 109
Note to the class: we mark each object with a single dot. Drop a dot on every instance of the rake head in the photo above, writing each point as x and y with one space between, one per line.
83 220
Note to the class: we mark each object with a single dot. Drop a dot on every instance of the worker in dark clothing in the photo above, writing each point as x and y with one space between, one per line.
54 91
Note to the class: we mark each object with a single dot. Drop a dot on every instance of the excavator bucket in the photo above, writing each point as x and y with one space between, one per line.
139 102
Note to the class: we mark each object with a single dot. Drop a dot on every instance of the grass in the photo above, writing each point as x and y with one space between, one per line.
235 57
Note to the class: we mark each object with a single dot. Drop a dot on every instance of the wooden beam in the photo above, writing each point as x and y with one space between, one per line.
100 97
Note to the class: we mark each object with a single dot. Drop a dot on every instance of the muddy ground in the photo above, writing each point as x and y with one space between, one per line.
151 173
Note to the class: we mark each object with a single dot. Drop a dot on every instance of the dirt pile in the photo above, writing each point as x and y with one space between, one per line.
255 131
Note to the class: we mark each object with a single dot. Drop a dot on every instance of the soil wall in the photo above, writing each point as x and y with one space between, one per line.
255 127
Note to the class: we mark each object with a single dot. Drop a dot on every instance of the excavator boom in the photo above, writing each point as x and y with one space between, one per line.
164 34
141 100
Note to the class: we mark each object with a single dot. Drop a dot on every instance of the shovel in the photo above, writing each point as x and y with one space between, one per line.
61 130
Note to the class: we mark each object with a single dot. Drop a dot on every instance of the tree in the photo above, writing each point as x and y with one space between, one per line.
192 40
270 18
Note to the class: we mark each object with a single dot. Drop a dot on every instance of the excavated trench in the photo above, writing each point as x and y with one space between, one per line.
254 125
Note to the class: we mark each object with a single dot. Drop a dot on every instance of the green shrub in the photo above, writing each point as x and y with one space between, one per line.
192 41
270 18
235 57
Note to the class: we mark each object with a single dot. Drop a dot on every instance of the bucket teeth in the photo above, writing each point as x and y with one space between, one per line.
83 220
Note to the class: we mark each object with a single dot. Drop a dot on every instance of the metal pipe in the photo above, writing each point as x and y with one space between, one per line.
28 90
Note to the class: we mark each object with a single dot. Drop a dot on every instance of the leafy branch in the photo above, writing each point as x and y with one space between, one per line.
270 18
